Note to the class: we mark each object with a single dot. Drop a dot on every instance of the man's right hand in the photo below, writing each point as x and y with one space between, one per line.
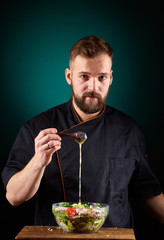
23 185
46 143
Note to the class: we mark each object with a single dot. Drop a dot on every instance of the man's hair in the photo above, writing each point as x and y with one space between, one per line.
90 47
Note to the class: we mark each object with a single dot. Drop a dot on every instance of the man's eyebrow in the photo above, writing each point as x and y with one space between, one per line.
101 73
84 72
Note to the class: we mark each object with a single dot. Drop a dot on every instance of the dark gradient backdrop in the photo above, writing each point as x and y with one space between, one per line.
35 40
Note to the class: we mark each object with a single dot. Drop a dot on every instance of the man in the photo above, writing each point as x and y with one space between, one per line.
114 165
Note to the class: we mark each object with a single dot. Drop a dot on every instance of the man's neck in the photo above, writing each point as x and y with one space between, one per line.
83 116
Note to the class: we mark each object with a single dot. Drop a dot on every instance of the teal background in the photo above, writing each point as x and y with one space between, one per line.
36 37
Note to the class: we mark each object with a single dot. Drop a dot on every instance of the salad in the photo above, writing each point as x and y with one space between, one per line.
80 217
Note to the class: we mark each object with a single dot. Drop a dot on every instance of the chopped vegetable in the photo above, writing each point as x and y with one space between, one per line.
71 212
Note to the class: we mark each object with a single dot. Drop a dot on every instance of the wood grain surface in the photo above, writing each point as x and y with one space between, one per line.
51 232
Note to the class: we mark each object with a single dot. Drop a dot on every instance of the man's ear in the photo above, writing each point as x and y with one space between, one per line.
111 77
68 75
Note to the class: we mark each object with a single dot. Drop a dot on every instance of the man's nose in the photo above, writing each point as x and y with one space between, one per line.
92 84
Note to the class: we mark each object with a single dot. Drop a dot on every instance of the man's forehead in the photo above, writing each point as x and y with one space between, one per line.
102 56
100 62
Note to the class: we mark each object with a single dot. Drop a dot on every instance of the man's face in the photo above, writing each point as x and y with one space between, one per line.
90 80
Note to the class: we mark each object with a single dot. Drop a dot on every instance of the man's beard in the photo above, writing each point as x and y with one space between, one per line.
93 105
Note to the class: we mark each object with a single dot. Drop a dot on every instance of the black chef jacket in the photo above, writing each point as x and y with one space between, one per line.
114 166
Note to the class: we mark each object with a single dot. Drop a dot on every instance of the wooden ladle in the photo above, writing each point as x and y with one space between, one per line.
79 137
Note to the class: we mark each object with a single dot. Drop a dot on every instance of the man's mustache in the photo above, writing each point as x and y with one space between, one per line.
92 94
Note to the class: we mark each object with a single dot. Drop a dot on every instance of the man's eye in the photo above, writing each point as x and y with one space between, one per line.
85 77
102 78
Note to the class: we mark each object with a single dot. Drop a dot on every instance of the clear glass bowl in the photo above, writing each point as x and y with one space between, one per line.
80 217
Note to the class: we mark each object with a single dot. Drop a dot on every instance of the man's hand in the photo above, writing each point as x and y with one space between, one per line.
154 206
23 185
46 143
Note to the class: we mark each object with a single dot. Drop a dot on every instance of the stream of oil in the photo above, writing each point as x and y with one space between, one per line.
80 141
80 163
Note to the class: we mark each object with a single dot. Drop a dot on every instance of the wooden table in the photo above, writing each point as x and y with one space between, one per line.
54 233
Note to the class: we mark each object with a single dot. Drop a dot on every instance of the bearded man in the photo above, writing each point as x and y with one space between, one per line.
114 166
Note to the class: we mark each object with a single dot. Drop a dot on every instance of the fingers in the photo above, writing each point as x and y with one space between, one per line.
51 146
48 140
46 143
45 132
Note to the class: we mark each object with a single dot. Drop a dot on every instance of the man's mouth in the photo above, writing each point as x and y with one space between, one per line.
91 95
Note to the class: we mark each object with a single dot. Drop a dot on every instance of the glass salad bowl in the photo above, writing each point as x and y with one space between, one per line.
80 217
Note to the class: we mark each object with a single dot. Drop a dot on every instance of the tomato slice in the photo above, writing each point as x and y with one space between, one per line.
71 212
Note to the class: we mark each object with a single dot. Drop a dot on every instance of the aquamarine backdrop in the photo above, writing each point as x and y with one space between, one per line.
35 40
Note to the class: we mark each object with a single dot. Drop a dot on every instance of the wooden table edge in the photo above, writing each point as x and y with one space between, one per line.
54 233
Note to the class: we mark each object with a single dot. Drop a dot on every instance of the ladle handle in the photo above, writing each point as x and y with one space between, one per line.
67 135
62 134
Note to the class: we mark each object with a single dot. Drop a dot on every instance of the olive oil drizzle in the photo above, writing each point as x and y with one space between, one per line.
80 138
80 163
